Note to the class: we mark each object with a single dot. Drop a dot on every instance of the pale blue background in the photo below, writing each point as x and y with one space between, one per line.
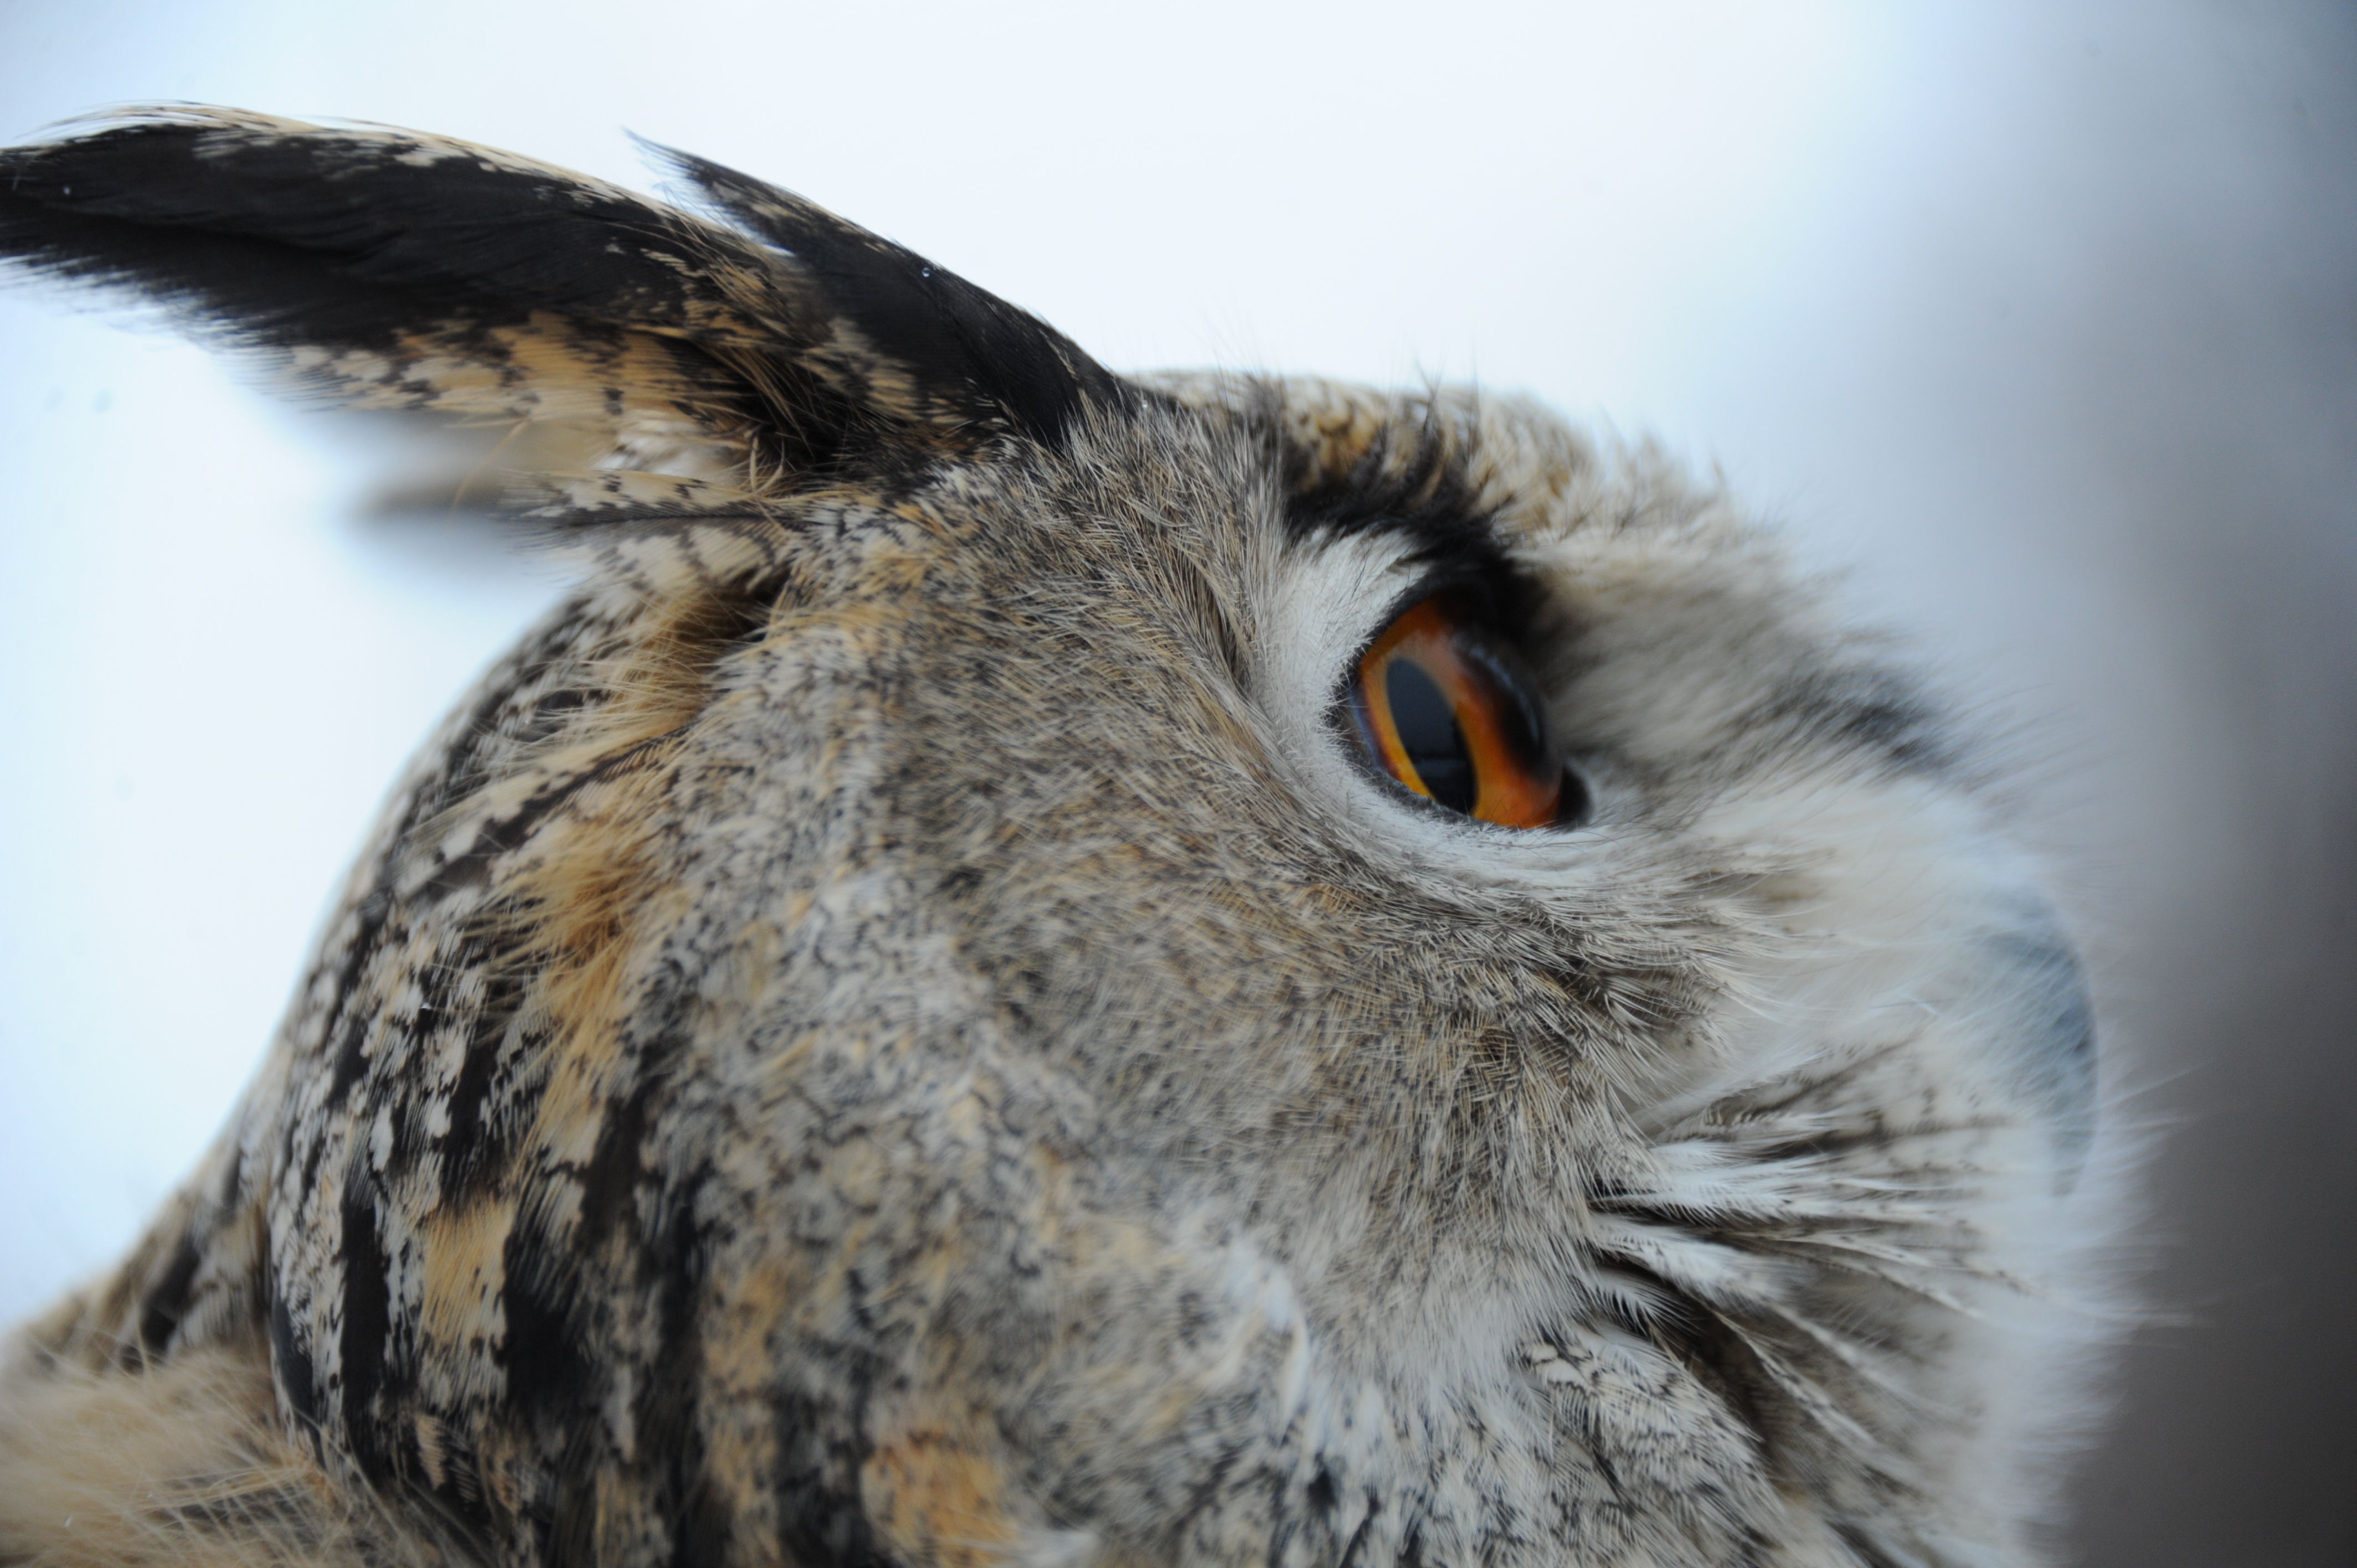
2042 316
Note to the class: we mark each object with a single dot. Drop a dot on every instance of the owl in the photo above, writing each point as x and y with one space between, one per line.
1041 967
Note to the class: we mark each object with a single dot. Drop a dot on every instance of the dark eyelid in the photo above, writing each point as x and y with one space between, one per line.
1505 601
1472 558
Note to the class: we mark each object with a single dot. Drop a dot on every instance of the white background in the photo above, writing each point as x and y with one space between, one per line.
2042 317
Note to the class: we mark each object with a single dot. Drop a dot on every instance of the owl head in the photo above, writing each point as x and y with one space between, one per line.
1043 967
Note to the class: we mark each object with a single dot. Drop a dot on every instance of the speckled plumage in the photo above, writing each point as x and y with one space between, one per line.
893 1029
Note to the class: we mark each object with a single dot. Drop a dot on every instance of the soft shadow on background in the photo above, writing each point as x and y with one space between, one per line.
2041 319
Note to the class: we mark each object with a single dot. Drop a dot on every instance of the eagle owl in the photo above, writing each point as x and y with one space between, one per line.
1045 968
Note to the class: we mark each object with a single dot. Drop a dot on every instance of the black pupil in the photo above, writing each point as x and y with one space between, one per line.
1426 726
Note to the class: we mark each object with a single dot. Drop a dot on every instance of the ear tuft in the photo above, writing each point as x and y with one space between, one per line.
904 326
279 231
388 269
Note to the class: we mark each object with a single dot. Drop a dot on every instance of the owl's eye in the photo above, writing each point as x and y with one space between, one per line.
1443 706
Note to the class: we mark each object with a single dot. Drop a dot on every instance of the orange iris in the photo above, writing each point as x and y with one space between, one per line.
1446 712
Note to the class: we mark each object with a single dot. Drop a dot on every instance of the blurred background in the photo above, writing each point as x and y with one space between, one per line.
2041 319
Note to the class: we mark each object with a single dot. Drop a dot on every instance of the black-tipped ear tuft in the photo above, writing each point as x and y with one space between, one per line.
391 269
967 354
278 231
